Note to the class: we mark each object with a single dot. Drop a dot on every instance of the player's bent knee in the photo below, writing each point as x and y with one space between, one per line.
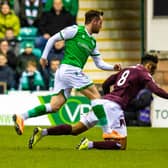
57 102
55 107
78 129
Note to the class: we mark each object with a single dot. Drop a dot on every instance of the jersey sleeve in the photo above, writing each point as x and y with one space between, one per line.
64 34
69 32
108 83
95 52
99 61
101 64
153 87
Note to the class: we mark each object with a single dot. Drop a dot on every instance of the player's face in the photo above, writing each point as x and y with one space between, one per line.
97 24
152 68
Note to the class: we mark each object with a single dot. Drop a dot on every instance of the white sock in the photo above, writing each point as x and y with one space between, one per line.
90 144
44 132
106 129
48 107
25 116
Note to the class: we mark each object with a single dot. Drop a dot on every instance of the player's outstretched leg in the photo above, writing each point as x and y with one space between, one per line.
18 124
113 144
37 135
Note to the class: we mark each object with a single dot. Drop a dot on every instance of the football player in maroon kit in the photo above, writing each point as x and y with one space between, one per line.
126 85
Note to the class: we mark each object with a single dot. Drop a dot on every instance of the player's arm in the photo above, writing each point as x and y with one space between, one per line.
157 90
64 34
153 87
108 83
101 64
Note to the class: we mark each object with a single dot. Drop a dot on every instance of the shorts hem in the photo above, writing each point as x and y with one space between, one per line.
84 87
61 91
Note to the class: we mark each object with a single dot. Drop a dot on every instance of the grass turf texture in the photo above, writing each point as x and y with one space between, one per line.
147 148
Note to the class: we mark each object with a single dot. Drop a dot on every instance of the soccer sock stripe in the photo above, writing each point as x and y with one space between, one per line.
44 132
90 145
48 107
25 116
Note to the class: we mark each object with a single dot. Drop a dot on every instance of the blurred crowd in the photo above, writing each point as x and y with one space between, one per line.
25 27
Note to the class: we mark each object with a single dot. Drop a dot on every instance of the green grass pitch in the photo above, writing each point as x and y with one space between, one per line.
146 148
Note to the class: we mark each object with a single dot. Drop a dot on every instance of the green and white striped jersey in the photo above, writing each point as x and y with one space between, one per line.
79 47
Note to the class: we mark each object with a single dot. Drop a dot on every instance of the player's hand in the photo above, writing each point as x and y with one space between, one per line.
117 67
43 62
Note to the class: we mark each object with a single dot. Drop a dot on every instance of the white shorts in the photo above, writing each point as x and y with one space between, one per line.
114 115
68 77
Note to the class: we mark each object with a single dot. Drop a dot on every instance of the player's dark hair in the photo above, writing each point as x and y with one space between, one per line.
91 14
149 58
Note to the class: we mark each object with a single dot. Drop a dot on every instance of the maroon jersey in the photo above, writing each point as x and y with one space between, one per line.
128 82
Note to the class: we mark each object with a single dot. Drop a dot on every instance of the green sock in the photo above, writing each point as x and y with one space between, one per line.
100 114
37 111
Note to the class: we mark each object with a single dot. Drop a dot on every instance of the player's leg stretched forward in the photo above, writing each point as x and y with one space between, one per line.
66 129
56 102
112 144
117 139
39 133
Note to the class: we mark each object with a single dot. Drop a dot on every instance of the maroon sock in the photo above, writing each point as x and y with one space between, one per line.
106 145
60 130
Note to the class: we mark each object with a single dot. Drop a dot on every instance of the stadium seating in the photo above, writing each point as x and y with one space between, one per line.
119 40
28 35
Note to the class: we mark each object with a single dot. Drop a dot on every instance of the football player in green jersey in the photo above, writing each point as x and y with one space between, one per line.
79 45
